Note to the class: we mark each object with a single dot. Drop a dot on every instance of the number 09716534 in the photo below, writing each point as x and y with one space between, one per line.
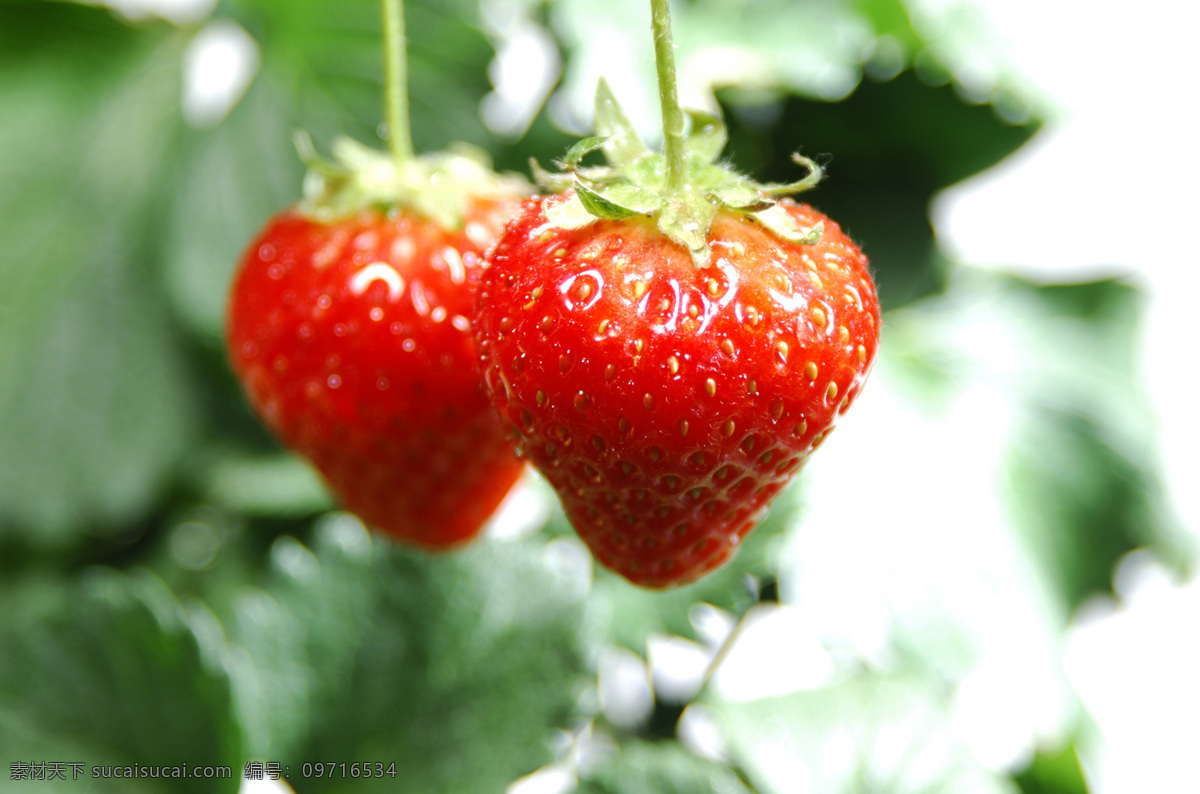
342 769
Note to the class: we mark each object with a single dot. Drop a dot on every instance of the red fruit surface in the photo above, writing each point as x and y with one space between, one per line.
352 341
667 404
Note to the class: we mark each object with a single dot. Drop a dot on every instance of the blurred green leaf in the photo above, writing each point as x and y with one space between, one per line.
890 19
1056 772
808 49
660 768
458 667
232 179
277 485
1082 481
868 734
1078 467
327 61
95 393
1081 504
107 672
878 184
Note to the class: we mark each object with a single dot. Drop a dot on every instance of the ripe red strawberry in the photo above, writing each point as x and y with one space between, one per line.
350 332
667 404
669 342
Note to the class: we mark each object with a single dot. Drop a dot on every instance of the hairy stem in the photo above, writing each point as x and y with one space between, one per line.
395 81
668 94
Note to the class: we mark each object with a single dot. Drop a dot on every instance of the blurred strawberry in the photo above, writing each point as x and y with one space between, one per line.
350 331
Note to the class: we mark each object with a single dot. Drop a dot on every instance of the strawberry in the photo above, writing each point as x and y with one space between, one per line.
352 340
668 384
349 327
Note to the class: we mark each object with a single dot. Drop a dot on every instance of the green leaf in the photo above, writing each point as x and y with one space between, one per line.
663 768
95 394
866 734
890 19
1083 486
622 146
107 672
1080 485
361 650
1080 504
1053 772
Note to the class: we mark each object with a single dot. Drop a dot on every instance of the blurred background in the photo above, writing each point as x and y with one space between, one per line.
985 582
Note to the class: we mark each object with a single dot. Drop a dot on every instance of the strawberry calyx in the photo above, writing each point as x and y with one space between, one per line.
635 182
438 185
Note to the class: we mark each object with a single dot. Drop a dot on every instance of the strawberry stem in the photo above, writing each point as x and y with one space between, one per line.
668 94
395 82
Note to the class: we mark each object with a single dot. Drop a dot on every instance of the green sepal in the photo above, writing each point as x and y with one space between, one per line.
580 149
633 197
548 180
570 214
598 205
784 225
810 180
437 185
687 222
742 197
605 174
622 146
634 183
708 136
307 153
